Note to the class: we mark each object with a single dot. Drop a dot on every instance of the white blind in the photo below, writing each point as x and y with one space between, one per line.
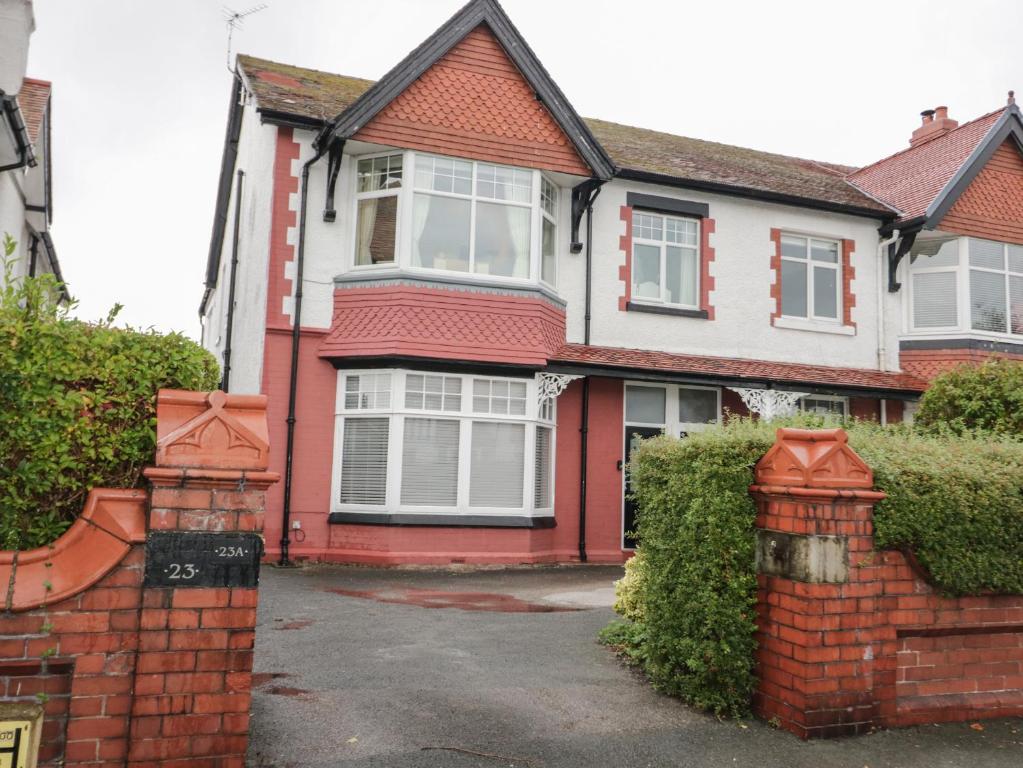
429 462
542 475
987 300
934 300
497 465
364 461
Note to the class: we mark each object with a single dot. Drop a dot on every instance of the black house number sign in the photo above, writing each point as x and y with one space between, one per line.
191 559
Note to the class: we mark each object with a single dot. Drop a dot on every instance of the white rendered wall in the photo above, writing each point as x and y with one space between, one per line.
742 270
256 152
12 219
743 278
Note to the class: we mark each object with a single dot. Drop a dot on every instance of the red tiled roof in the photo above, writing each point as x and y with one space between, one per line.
32 99
910 180
734 368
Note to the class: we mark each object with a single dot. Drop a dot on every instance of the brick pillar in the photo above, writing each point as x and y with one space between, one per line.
197 623
821 631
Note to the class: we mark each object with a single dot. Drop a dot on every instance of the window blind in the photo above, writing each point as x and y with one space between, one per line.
429 462
542 474
934 300
497 464
364 461
987 301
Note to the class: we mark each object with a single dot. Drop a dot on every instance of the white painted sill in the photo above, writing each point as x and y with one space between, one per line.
809 325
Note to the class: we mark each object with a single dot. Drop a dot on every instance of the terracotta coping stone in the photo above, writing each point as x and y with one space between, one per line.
812 458
215 430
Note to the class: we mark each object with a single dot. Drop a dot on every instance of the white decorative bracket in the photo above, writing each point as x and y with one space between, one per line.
769 404
550 385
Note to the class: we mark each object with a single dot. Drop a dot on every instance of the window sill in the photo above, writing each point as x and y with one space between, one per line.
809 325
658 309
443 521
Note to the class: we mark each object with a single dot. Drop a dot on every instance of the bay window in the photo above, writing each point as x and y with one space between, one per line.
455 216
665 259
409 441
811 279
966 285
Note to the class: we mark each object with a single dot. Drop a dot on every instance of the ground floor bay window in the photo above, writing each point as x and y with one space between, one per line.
437 444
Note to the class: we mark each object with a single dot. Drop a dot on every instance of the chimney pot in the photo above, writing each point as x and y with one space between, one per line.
927 115
941 113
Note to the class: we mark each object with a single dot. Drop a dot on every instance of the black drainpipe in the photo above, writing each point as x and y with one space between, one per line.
585 428
33 259
226 383
296 335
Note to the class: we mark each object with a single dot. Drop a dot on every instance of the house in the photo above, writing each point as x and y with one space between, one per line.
26 190
466 302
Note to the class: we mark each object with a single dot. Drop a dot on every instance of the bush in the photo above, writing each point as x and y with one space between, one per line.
986 397
77 406
955 502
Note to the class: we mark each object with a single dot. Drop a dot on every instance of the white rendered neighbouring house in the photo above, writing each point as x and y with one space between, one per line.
496 297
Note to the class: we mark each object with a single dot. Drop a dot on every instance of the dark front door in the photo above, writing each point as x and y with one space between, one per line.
632 437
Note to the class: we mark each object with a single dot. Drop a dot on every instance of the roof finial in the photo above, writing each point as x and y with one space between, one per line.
1012 98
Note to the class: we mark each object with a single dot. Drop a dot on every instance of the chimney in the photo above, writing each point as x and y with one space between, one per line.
935 123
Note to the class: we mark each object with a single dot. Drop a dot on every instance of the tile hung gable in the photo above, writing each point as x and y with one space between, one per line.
474 102
992 205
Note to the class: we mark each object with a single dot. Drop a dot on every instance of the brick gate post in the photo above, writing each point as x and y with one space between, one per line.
197 623
825 656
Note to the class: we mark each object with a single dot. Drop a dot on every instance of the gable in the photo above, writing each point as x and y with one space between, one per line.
474 102
992 205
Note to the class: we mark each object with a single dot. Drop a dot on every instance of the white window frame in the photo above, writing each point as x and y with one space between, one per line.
397 192
827 398
397 413
964 307
811 316
552 217
404 226
663 245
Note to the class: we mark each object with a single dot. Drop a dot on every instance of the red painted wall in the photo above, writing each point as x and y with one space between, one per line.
448 324
475 103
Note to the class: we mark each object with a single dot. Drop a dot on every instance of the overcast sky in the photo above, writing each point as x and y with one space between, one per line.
141 90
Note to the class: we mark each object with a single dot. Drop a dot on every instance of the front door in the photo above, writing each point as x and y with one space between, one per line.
632 437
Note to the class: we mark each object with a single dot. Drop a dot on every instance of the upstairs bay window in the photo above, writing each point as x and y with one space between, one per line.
966 285
811 280
456 216
665 259
411 442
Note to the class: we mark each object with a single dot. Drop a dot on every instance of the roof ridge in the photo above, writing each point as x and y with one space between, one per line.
819 163
910 148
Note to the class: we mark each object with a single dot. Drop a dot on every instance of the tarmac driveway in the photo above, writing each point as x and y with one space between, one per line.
492 668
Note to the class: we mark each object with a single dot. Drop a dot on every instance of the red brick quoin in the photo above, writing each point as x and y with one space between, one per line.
874 646
137 675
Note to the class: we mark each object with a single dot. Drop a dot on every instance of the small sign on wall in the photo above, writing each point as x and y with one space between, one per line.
21 726
195 559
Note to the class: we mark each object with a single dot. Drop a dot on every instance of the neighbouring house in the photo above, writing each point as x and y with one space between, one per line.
26 188
466 302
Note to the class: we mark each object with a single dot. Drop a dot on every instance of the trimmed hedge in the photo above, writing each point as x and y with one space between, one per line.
985 397
956 503
77 406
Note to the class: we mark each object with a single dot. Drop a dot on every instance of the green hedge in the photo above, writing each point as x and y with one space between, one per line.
985 397
957 503
77 407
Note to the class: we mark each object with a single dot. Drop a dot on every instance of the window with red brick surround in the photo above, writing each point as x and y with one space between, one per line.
848 273
706 256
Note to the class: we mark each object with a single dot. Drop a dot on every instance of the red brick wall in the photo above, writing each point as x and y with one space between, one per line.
625 268
707 255
992 206
132 674
881 648
775 290
285 184
928 363
475 103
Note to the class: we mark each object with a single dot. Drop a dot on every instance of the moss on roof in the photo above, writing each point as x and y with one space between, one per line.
309 93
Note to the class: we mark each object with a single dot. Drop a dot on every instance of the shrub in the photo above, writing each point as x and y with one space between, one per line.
77 405
955 502
976 397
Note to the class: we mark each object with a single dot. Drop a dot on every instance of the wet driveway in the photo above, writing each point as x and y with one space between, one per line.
492 668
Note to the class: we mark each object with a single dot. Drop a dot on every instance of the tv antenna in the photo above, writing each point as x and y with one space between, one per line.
236 20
